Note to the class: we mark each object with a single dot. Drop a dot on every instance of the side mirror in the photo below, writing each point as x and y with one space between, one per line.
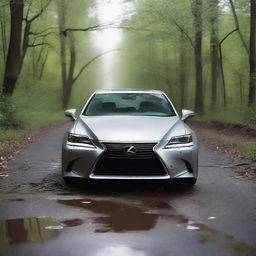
71 113
186 114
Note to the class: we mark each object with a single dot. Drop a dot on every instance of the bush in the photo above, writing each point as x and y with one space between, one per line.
8 113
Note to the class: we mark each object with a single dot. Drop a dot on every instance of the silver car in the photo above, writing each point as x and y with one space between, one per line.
130 135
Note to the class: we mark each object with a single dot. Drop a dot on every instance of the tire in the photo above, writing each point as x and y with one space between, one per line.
189 182
69 182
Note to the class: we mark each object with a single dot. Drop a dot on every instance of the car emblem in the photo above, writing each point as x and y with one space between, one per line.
129 150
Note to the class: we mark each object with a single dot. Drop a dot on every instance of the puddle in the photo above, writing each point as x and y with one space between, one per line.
54 227
73 222
159 205
86 202
27 230
120 250
191 225
4 175
116 216
122 217
225 242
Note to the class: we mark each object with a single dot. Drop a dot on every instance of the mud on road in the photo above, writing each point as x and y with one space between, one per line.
40 215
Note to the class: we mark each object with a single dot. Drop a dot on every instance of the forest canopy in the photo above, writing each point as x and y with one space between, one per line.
55 53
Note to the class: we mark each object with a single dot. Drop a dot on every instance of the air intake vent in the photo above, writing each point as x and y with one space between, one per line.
141 160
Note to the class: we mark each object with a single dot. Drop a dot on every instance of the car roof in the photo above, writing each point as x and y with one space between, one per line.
128 91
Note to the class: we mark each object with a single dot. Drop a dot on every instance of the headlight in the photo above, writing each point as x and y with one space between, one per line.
178 140
79 140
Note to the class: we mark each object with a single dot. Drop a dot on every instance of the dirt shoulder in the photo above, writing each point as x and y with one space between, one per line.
236 141
12 145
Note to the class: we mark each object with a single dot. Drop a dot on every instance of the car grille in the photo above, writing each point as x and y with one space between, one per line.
115 161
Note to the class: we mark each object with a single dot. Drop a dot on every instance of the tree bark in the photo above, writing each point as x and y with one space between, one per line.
197 12
13 61
214 42
3 33
222 77
252 55
62 26
166 67
70 80
183 70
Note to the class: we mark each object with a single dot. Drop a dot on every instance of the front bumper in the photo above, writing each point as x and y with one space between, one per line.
178 162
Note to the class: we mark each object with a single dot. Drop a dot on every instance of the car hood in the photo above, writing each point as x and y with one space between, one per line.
129 128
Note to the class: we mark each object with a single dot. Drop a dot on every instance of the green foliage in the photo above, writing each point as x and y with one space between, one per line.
151 57
7 112
249 150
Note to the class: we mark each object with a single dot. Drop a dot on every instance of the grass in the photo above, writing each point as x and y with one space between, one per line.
246 149
249 150
243 115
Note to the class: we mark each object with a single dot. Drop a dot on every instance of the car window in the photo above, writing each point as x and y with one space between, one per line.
140 104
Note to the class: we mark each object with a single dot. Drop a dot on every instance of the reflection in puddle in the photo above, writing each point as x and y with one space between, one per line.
73 222
240 247
27 230
208 235
120 250
117 217
124 217
54 227
3 175
191 225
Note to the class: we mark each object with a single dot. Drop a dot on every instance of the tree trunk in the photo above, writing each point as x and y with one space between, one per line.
214 42
183 70
13 61
199 107
3 33
62 26
252 56
238 26
166 67
70 80
222 77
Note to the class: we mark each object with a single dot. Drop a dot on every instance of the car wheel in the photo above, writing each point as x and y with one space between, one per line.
69 181
189 182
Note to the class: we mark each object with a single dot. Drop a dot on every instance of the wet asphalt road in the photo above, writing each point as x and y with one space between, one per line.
39 215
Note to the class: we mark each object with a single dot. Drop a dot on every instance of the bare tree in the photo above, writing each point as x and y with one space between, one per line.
19 43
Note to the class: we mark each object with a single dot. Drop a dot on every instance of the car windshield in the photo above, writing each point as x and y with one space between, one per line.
136 104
